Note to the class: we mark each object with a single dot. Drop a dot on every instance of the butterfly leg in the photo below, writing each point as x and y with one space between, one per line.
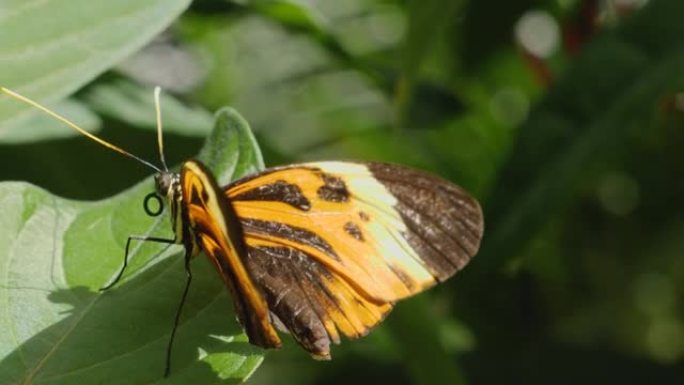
188 256
125 262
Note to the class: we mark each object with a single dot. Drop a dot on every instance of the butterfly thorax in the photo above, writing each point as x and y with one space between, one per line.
169 187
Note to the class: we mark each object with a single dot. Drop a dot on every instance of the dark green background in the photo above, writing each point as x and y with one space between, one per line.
576 158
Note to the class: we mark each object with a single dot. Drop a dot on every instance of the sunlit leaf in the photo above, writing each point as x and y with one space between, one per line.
48 49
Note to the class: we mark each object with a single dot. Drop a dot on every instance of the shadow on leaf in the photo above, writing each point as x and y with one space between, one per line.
120 336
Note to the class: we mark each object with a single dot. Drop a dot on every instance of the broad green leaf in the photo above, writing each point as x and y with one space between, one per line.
54 256
234 150
48 49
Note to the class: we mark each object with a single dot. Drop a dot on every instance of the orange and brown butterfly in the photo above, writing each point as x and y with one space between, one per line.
320 250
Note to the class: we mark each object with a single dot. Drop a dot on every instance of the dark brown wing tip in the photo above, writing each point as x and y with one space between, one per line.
445 222
478 217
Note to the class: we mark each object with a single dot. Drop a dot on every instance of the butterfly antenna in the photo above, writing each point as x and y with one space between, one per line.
76 127
160 141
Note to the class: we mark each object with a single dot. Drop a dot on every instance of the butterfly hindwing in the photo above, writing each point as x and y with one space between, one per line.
309 301
333 245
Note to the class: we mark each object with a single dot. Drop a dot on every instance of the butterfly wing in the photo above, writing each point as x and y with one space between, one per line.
334 244
215 228
309 301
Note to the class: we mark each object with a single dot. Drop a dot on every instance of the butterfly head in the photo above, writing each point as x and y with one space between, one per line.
165 183
167 188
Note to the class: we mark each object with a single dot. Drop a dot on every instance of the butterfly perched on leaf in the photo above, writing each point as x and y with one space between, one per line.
320 250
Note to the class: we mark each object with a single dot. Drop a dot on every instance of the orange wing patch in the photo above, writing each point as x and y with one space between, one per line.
344 216
319 216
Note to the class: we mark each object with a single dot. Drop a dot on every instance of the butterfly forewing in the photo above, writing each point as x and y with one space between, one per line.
216 229
333 244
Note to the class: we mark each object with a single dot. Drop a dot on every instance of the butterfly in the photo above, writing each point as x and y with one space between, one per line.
320 250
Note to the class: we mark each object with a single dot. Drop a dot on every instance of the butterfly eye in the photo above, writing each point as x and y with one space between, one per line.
153 209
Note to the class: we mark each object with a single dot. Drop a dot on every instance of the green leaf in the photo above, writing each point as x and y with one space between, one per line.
421 103
49 49
296 16
54 256
426 21
234 150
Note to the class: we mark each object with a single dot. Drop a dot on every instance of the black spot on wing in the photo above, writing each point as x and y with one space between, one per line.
333 190
279 191
405 278
352 229
288 232
197 196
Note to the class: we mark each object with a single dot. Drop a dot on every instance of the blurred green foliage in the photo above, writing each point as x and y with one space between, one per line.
565 117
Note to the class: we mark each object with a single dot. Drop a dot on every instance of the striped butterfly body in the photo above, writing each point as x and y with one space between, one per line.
320 250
